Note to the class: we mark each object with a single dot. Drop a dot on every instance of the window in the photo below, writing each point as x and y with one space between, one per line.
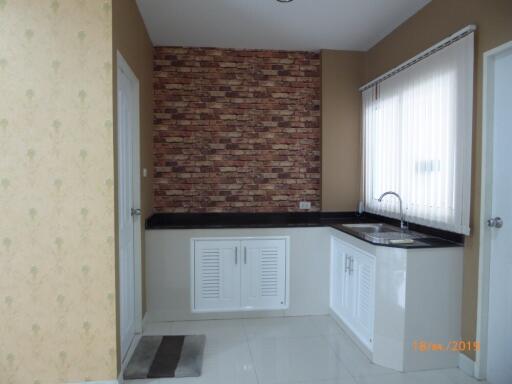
417 129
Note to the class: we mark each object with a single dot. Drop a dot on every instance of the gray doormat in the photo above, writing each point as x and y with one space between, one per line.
166 356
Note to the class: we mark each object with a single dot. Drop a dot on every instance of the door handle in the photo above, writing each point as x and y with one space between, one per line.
245 255
351 265
136 211
236 255
495 222
347 263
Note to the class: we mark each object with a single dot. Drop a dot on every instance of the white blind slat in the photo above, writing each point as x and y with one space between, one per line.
417 131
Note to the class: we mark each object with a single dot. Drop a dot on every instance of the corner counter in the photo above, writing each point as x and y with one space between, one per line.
417 299
416 290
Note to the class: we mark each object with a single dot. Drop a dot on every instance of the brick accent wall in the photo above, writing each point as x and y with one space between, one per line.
236 130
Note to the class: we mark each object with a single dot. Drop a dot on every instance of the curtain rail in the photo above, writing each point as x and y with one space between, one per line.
423 55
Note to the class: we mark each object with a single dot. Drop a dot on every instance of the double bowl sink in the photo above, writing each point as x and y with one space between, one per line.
381 233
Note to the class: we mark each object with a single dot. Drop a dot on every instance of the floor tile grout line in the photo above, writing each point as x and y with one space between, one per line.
475 380
338 358
318 335
339 331
314 326
326 333
250 352
357 378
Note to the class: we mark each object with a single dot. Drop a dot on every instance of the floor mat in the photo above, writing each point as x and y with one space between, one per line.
166 356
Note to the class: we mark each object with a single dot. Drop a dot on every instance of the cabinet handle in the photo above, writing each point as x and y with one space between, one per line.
245 255
236 255
347 263
351 265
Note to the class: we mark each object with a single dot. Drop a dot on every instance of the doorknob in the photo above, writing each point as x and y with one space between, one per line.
136 212
495 222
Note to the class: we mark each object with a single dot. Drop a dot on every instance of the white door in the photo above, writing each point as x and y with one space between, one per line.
337 273
127 173
342 296
499 358
264 274
348 285
353 289
217 275
362 270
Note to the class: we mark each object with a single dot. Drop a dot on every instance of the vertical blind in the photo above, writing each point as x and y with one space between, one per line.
417 128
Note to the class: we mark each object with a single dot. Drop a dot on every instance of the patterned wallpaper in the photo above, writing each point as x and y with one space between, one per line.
57 251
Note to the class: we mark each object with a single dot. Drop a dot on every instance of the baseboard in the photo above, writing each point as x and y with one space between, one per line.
363 348
120 379
466 365
98 382
145 320
170 316
128 356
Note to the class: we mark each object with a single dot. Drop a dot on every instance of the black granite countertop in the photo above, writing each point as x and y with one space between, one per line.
245 220
433 238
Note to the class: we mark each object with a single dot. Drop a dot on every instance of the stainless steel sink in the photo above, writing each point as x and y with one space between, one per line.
372 227
381 233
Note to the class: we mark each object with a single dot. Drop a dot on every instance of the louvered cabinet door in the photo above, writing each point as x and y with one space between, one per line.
216 275
264 274
342 287
363 271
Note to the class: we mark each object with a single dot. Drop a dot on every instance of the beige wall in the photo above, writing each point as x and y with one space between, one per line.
342 74
57 234
437 20
133 42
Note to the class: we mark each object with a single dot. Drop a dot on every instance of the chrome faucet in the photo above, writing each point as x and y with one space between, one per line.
403 224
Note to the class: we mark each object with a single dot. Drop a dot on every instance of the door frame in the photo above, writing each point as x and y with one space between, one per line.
123 66
484 259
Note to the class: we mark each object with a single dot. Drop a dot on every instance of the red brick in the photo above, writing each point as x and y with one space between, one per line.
236 130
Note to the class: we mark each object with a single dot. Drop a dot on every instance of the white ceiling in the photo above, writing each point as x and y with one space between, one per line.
267 24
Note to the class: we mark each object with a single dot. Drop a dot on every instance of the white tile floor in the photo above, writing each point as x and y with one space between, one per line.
292 350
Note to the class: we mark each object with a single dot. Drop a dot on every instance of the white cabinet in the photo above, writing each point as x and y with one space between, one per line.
363 274
341 289
263 274
240 274
353 289
217 274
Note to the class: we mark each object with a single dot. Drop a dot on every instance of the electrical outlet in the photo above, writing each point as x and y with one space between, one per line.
305 205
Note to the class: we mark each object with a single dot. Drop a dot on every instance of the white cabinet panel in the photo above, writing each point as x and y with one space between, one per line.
216 274
342 295
337 270
264 274
353 289
240 274
363 271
